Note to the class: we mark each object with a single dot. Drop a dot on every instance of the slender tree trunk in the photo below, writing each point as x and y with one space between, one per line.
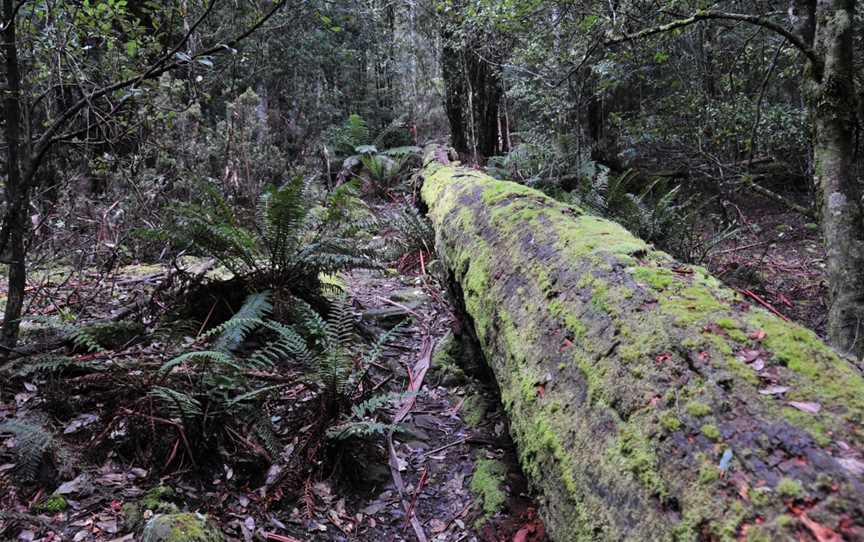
16 194
834 104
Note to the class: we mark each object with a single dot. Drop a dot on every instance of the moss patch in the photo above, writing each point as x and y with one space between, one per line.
51 505
789 487
474 410
487 484
184 527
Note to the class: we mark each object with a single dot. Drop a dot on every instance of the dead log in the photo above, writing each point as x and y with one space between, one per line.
646 400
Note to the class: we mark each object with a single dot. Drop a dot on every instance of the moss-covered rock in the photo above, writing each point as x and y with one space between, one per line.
182 527
624 376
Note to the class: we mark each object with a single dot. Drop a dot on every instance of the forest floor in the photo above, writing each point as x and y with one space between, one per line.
452 464
451 471
776 259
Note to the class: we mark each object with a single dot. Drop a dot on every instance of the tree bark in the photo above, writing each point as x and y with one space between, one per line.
455 92
12 245
835 112
647 401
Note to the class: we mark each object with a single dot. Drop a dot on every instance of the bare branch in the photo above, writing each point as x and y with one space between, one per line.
705 15
50 137
15 11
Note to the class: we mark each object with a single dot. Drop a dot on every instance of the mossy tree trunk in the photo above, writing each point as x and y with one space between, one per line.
647 401
835 112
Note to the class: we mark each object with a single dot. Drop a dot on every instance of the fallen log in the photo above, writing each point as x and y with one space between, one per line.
646 400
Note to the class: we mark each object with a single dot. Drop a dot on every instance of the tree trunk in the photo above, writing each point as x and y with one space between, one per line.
487 91
455 93
647 401
835 113
15 222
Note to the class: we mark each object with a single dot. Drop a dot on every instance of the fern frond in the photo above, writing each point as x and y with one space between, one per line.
233 332
179 405
363 430
32 441
44 364
216 356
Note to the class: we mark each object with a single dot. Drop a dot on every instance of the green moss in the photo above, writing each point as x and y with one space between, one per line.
698 409
817 375
669 421
728 324
474 410
157 497
637 453
761 496
52 505
733 329
445 366
789 487
710 430
183 527
658 278
573 323
785 521
708 471
809 422
487 485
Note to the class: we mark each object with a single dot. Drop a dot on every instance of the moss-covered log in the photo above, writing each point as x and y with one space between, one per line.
647 401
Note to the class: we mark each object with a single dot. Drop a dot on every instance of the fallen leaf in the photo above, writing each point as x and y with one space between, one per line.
812 408
749 355
774 390
852 465
758 335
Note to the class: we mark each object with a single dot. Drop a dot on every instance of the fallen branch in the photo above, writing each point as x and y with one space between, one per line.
762 302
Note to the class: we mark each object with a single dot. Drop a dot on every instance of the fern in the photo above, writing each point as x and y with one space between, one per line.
83 337
234 331
45 364
415 233
32 442
292 241
363 429
177 404
357 426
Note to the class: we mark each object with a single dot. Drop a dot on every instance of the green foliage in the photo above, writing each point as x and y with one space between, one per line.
45 365
361 423
382 171
352 134
292 241
656 214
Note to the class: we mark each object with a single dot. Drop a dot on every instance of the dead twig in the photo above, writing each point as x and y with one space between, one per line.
762 302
